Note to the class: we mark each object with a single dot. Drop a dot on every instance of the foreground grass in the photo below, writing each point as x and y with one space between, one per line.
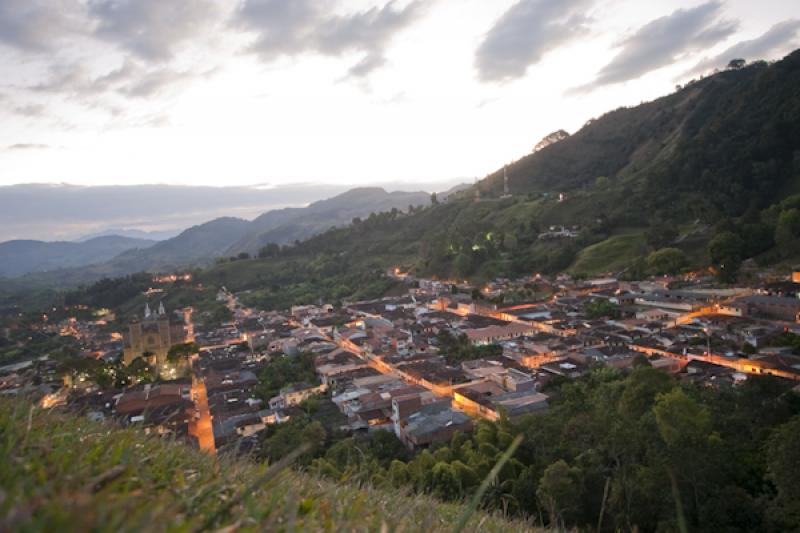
63 473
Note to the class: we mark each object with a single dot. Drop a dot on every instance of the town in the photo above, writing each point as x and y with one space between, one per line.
425 364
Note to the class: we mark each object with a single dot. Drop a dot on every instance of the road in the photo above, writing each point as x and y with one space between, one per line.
201 426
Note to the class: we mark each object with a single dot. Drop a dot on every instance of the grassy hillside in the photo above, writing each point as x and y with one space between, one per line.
62 473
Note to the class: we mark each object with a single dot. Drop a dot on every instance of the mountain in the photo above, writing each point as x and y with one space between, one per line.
708 175
284 226
68 212
221 237
198 244
727 142
132 233
20 257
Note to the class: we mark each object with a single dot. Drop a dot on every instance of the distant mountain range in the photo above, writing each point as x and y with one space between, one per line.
288 225
20 257
57 262
133 234
69 212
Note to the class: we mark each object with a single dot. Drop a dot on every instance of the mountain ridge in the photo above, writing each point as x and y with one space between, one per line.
21 256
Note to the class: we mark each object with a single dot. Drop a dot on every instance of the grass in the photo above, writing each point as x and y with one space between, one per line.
609 255
64 473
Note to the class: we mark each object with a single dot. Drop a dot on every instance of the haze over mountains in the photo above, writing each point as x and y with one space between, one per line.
200 244
69 212
22 256
61 212
709 152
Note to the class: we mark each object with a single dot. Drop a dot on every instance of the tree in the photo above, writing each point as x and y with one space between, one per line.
783 458
434 199
681 420
270 250
398 473
602 308
444 482
725 250
181 351
788 227
140 371
463 264
667 261
559 491
736 64
661 234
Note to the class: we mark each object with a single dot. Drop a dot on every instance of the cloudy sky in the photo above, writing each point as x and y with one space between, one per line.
224 92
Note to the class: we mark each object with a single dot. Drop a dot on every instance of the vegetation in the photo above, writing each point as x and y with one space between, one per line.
24 344
284 370
602 308
703 176
628 451
459 348
63 473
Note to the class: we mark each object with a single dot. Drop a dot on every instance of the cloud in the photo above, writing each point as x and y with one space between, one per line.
31 110
525 33
284 28
665 40
152 29
27 146
38 25
132 79
366 66
778 39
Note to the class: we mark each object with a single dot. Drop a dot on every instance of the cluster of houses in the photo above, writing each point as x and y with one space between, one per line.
384 366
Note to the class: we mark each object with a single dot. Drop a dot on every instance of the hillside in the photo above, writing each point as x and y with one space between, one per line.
639 191
63 473
725 143
200 245
645 190
283 226
23 256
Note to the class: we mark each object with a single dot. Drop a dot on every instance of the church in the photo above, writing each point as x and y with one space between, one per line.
152 337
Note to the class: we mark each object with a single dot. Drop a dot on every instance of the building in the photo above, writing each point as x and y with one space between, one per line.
435 423
152 337
296 394
777 307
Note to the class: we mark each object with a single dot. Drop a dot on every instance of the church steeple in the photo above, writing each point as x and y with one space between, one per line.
147 311
161 310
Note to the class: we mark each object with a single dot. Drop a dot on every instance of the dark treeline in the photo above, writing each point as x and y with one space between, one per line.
627 451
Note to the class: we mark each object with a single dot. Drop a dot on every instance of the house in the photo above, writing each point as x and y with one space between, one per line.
295 394
495 333
435 423
778 307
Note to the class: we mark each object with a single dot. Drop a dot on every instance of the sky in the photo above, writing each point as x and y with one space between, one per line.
223 92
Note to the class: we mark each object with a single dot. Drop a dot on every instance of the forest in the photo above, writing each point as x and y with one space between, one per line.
615 451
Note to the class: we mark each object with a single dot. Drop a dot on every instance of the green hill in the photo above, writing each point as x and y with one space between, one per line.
720 156
64 473
704 176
